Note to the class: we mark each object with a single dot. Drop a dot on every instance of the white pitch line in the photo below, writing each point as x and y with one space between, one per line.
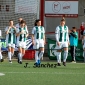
40 73
1 74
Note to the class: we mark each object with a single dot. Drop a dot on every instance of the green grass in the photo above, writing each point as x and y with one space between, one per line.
16 74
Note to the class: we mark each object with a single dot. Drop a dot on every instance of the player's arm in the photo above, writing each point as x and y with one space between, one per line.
27 33
33 39
68 36
18 33
74 34
7 30
57 35
33 32
14 28
44 38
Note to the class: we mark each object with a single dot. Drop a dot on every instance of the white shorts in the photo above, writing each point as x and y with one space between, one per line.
38 43
62 45
11 45
21 44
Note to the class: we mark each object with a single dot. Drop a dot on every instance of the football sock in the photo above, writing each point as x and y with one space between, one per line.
12 54
9 55
36 56
41 55
20 56
0 55
65 56
59 57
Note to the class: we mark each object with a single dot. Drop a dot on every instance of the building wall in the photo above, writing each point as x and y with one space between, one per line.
51 23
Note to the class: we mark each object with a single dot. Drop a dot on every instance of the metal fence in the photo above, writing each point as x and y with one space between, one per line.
14 9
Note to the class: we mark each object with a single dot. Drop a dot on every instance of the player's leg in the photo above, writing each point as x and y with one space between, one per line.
20 55
23 52
18 45
9 53
36 47
71 51
41 50
59 54
12 49
84 52
74 49
20 52
1 58
59 57
65 46
40 54
23 48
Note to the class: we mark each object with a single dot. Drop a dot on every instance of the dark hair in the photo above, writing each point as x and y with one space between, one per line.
36 21
62 20
74 28
22 21
10 20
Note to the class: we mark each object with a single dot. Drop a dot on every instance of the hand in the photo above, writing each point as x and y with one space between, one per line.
58 43
82 43
14 27
68 43
26 35
44 42
70 31
22 32
33 42
9 28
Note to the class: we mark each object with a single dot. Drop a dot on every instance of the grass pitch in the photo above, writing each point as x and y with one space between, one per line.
17 74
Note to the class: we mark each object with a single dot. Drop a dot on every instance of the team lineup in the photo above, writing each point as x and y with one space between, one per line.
19 33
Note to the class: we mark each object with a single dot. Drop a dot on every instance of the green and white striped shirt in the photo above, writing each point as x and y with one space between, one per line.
61 34
38 32
10 37
22 37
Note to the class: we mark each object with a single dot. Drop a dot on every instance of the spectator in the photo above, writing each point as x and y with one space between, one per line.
82 28
73 43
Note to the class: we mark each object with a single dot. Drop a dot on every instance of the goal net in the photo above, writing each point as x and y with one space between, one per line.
14 9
